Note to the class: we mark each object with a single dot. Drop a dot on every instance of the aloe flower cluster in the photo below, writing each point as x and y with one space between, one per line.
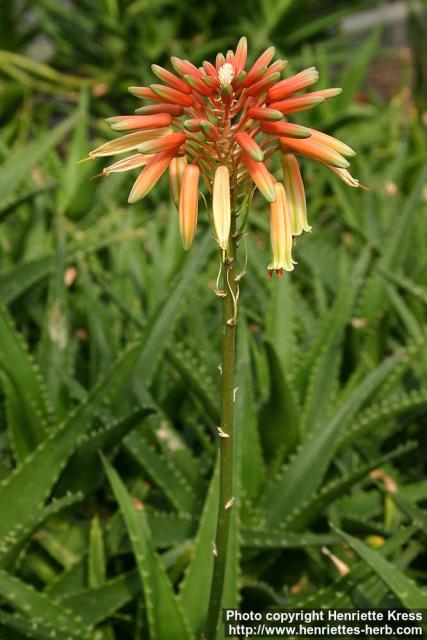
218 125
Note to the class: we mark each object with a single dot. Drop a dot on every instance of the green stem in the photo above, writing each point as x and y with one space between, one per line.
226 438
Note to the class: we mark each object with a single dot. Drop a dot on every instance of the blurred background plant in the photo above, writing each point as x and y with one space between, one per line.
100 347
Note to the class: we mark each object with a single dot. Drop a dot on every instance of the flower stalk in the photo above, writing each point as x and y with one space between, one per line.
225 432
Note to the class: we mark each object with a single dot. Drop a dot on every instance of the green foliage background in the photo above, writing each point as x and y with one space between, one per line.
109 339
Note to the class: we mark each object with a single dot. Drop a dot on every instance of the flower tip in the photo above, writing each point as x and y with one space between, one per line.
312 75
239 78
279 272
250 146
270 196
334 91
89 157
302 132
99 175
226 91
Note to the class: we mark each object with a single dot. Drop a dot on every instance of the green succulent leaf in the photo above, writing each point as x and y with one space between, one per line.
165 618
407 592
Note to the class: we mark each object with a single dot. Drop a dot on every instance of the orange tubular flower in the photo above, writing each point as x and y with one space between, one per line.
249 145
222 122
280 233
176 172
150 175
131 123
261 176
189 204
172 141
294 188
221 206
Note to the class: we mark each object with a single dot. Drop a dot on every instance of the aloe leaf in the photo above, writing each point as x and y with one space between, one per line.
410 357
198 382
318 503
20 162
321 386
338 594
333 322
167 529
57 331
414 491
300 479
281 320
405 589
417 515
263 538
165 618
55 356
328 334
96 555
372 592
97 604
161 323
279 417
12 543
410 404
399 241
29 629
38 607
245 420
7 207
394 252
195 587
82 472
353 75
174 485
406 283
69 581
403 311
74 177
27 488
318 24
25 396
185 464
329 266
22 276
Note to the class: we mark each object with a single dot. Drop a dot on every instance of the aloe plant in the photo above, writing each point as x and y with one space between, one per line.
109 343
